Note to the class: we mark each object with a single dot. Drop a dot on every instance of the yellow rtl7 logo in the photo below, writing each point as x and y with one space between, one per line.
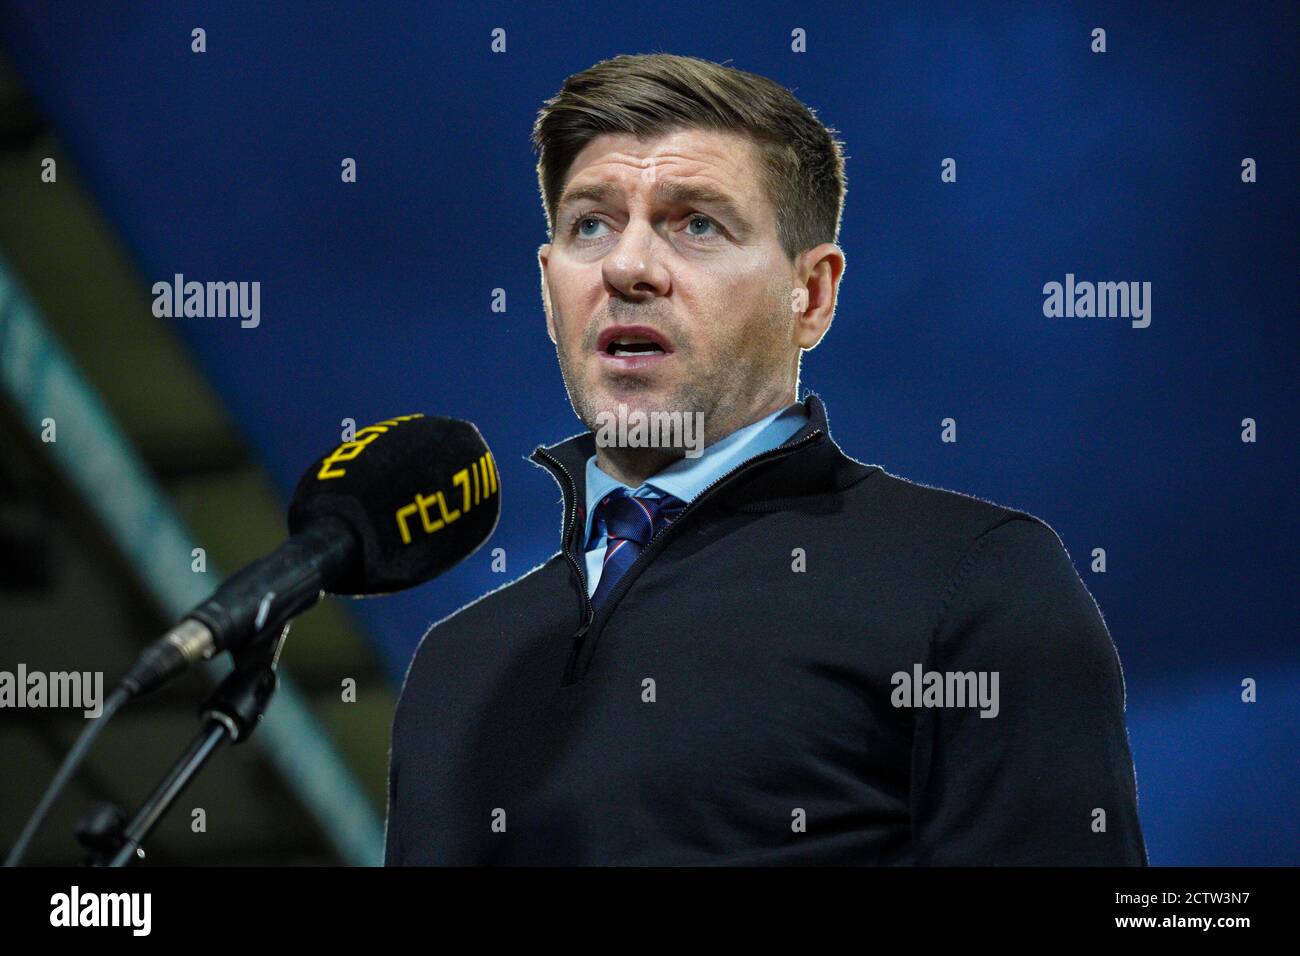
477 483
350 449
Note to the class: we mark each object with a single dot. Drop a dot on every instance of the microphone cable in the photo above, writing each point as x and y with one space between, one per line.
71 763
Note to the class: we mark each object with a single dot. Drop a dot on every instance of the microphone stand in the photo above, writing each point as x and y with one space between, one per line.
231 712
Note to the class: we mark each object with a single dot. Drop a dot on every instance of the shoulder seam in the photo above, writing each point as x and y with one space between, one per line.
966 564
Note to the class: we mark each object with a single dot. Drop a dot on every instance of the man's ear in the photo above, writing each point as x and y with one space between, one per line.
819 284
543 259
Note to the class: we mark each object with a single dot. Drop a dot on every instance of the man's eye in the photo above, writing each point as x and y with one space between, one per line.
581 222
694 220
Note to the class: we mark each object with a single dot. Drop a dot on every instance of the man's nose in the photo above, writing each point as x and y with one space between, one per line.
634 266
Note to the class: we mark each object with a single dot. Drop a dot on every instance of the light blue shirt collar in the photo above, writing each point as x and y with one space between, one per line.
687 477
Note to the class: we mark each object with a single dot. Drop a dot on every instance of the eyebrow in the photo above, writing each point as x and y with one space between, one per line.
665 191
596 192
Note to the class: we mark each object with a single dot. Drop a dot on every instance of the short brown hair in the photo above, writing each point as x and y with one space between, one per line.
650 94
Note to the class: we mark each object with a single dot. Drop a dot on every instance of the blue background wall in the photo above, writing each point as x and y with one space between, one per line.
1121 166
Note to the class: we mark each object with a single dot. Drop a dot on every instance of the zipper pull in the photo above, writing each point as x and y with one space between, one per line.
571 666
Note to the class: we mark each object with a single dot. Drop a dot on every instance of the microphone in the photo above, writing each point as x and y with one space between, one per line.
405 500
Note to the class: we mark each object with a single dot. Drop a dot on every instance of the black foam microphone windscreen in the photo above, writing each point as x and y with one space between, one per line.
420 492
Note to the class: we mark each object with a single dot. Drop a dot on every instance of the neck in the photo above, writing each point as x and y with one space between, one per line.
633 466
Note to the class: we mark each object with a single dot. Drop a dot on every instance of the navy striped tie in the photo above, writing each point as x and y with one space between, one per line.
628 523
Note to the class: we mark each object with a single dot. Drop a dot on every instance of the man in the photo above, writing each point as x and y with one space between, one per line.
768 653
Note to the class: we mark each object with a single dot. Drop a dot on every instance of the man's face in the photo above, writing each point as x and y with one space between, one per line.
676 235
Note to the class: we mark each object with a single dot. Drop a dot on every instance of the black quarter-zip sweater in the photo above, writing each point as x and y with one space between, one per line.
738 698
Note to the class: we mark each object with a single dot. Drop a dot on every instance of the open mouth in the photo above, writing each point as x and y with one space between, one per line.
633 345
620 348
631 355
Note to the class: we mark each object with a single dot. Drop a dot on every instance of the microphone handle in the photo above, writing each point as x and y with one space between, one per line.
259 597
277 587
